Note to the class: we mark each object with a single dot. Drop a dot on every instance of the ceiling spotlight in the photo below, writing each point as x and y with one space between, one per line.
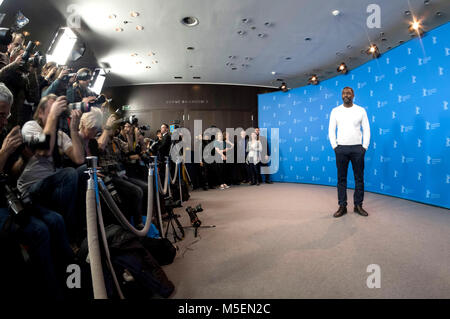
246 20
416 27
407 13
155 62
119 29
283 87
139 28
196 77
426 2
261 35
112 16
373 50
134 14
26 33
151 53
336 12
189 21
148 67
268 24
247 58
342 68
307 39
314 80
232 57
134 54
190 48
139 62
273 72
241 32
439 13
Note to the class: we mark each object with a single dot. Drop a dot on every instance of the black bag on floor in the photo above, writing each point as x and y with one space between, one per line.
184 191
129 256
161 249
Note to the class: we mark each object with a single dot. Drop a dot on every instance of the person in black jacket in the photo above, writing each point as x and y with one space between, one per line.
166 141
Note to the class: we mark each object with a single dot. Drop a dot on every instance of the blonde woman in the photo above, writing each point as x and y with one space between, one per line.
254 148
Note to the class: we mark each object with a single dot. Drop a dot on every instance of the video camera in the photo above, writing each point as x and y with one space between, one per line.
192 212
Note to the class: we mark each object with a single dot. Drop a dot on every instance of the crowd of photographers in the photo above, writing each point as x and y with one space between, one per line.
50 122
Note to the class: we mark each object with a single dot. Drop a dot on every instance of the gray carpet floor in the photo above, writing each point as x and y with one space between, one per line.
281 241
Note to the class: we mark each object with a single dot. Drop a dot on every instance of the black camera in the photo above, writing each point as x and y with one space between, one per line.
37 141
111 189
84 76
17 204
5 36
86 107
132 119
195 222
144 128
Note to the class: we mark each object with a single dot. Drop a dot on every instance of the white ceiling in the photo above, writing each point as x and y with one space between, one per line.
334 39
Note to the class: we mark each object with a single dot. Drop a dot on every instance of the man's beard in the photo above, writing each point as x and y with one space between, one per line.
347 100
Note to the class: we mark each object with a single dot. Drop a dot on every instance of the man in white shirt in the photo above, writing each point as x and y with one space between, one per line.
350 145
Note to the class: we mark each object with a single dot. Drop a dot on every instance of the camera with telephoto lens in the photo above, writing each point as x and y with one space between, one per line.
84 76
35 60
132 120
195 222
17 204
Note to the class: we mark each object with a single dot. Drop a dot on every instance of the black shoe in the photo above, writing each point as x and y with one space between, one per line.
359 210
341 211
269 182
252 183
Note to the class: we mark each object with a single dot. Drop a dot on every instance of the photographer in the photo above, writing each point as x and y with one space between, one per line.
43 178
41 230
59 85
80 91
110 150
17 40
21 78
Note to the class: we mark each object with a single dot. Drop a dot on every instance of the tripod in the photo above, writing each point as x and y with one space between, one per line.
196 223
173 218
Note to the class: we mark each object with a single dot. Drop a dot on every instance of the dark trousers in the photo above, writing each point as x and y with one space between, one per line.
59 193
48 246
260 176
345 154
132 193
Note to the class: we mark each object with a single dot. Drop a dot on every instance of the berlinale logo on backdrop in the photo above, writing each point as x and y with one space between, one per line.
432 126
403 98
428 92
384 159
393 115
399 70
407 190
429 194
384 131
423 61
406 129
447 143
378 78
419 176
419 143
445 105
447 51
433 161
417 110
413 79
407 159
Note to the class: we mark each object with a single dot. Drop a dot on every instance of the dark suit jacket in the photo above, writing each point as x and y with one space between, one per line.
164 146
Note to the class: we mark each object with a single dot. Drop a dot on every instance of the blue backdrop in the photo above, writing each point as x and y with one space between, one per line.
405 93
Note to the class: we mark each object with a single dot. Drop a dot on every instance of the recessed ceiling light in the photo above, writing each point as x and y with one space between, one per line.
246 20
139 62
383 39
268 24
261 35
229 64
189 21
253 28
155 62
178 77
247 58
139 28
349 46
112 16
232 57
407 13
134 54
234 68
336 12
307 39
119 29
439 13
245 65
190 48
273 72
151 53
426 2
241 32
134 14
148 67
196 77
